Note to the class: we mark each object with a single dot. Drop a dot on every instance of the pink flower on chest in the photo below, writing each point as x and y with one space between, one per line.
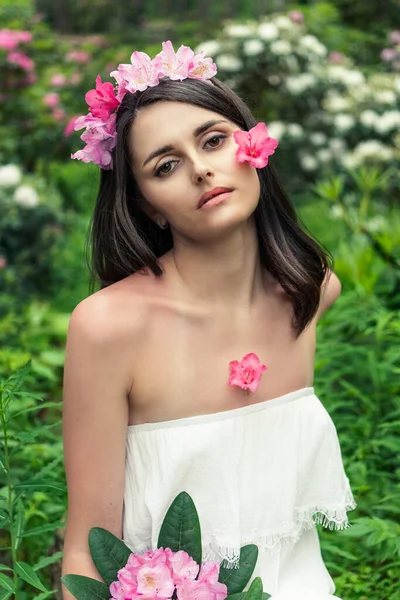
247 372
255 145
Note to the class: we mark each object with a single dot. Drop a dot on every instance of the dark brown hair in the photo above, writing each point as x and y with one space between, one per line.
124 240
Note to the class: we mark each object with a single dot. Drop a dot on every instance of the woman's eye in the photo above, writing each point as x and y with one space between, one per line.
164 170
215 139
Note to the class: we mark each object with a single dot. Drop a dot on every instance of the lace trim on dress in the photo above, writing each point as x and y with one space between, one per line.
304 520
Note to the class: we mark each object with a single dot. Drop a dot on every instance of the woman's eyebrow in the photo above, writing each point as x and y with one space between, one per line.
198 131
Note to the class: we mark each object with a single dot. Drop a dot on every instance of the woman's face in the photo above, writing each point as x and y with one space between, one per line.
181 151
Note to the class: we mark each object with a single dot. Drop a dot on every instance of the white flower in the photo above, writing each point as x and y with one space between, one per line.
281 47
238 31
324 155
210 47
311 44
373 149
253 47
229 62
295 130
335 103
350 160
268 31
283 22
344 122
337 146
336 211
308 162
276 129
10 175
298 84
25 195
274 79
369 118
318 138
385 96
388 121
343 75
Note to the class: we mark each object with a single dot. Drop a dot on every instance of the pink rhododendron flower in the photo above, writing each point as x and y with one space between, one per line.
8 39
20 59
394 36
3 262
336 57
202 68
255 145
70 126
388 54
247 372
296 16
75 78
78 56
102 100
58 80
183 566
155 582
51 100
58 114
141 74
171 64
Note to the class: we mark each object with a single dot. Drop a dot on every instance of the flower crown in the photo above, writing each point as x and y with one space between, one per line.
143 72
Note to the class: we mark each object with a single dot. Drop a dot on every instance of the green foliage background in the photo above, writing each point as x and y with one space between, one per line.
45 276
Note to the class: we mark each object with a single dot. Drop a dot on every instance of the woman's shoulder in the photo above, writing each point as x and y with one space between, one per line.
330 291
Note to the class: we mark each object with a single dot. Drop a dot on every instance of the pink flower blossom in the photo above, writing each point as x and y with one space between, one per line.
78 56
3 262
173 65
51 100
20 59
336 57
70 126
58 114
58 80
183 566
155 582
202 68
388 54
296 16
8 39
394 36
255 145
75 78
102 100
246 373
100 136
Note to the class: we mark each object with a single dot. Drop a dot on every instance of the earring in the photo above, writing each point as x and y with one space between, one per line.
161 226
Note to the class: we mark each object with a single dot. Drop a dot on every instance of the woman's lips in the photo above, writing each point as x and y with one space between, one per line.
215 200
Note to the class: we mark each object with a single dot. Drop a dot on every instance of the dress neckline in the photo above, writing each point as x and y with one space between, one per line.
225 414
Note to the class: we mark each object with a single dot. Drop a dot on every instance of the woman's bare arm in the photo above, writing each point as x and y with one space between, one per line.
95 418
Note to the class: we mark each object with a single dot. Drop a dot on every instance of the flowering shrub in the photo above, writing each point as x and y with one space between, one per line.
327 113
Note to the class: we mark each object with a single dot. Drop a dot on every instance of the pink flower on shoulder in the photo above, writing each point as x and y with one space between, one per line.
255 145
102 100
247 372
171 64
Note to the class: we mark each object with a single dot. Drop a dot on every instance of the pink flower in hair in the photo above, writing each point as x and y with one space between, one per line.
171 64
100 137
255 145
247 372
102 100
202 68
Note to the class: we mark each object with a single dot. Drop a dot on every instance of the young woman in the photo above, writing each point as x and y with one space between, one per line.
154 402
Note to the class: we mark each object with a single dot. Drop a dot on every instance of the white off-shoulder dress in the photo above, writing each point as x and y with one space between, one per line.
265 473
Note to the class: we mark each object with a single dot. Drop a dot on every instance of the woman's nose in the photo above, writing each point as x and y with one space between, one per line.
201 170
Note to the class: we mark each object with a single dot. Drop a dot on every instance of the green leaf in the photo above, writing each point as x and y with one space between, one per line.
19 523
86 588
33 408
45 595
180 529
40 484
4 594
47 560
26 573
2 461
6 583
109 553
44 528
237 579
255 590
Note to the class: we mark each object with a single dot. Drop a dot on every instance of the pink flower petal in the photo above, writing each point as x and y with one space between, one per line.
255 146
